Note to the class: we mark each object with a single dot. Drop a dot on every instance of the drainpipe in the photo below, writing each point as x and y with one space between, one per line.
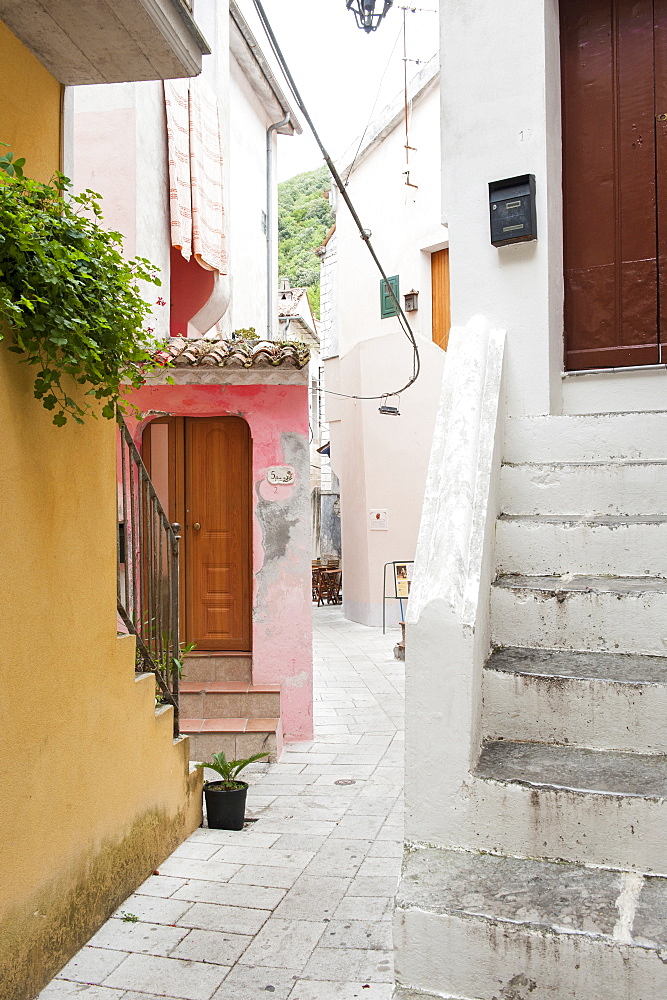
270 248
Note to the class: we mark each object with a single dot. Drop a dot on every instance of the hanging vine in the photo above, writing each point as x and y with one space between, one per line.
70 304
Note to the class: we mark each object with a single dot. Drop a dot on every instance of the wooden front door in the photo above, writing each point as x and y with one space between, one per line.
207 489
217 527
614 99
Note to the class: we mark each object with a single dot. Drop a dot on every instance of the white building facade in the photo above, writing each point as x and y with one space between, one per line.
535 657
118 147
381 460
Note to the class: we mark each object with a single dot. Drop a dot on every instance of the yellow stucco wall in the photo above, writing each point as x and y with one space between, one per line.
30 108
93 791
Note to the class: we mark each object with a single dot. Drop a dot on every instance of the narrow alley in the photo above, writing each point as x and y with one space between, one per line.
298 904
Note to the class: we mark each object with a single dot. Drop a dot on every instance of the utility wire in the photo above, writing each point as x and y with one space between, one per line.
364 233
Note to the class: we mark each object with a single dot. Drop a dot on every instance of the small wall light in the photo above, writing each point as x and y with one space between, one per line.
411 301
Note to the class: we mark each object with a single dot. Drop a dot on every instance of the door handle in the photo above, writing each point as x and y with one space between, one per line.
197 526
661 118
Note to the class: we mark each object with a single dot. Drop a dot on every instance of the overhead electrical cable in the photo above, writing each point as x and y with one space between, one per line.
364 233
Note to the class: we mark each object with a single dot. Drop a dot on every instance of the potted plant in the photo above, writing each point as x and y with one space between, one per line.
225 799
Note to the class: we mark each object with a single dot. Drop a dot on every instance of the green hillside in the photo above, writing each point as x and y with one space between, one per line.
304 219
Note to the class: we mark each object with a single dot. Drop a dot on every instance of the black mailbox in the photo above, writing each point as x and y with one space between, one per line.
512 210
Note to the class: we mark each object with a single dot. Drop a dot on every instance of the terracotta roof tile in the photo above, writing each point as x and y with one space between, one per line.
182 351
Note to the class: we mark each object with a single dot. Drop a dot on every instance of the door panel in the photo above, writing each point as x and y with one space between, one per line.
660 20
441 318
609 183
217 553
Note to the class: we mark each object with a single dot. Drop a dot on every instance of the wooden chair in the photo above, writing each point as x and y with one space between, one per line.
317 569
329 590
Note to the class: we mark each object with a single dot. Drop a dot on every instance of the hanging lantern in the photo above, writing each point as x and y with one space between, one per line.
366 16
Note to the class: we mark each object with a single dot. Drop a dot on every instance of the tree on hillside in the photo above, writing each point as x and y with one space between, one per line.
304 219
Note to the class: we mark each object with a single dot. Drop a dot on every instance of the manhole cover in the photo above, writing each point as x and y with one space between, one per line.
345 781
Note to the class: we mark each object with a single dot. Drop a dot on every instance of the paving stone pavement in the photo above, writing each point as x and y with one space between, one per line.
297 905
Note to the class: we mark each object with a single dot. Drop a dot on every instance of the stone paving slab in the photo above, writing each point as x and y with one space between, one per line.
297 905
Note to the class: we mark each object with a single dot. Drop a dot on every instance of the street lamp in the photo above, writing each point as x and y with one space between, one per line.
365 13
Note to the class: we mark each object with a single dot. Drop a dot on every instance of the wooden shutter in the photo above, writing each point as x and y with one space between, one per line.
609 50
441 313
387 307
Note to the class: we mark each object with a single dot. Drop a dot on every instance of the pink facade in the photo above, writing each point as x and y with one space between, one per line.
281 615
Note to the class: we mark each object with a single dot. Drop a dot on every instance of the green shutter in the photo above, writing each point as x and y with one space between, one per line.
387 306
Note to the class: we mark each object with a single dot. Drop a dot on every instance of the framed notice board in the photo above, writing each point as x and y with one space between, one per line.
396 585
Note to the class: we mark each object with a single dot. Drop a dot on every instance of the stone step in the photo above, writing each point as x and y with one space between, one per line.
218 667
609 545
238 738
592 806
595 488
605 701
620 614
595 437
519 929
229 699
401 993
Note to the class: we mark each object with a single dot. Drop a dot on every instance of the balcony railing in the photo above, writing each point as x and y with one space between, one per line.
147 572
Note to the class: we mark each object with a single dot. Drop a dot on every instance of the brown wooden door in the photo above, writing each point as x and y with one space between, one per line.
660 22
441 318
610 50
218 597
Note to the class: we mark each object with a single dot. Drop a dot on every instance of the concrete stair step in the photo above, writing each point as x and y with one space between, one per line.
401 993
239 738
229 699
630 487
521 929
574 768
589 438
218 667
604 701
622 614
598 807
630 545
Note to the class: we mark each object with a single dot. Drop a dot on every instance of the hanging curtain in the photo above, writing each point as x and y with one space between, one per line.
195 172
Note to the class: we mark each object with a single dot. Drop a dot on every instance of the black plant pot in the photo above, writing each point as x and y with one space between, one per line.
225 808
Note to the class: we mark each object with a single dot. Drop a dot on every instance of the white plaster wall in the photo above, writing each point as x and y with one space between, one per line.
404 221
248 125
328 326
447 633
382 461
500 118
615 392
118 148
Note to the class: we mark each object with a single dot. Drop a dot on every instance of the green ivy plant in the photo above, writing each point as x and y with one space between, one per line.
68 298
9 165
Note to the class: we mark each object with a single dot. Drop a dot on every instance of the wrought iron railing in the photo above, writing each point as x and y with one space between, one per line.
147 572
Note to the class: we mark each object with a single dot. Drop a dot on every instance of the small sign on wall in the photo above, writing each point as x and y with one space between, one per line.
378 520
403 578
280 475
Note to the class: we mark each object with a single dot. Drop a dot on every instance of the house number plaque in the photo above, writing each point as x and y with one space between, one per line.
280 475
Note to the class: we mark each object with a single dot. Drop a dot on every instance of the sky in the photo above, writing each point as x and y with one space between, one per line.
341 71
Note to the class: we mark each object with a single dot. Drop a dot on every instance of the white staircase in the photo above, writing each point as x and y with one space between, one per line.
546 878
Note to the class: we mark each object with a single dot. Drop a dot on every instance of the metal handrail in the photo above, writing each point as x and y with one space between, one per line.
148 572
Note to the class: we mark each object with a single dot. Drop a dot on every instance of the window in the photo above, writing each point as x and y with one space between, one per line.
387 304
